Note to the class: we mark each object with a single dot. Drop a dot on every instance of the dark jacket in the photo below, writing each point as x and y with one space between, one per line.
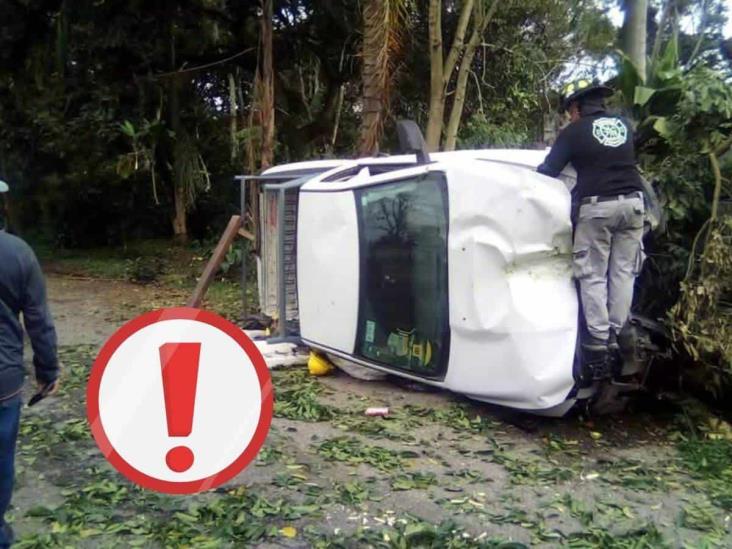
23 290
600 147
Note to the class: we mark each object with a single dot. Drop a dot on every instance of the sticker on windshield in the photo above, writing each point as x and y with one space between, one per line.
370 328
610 132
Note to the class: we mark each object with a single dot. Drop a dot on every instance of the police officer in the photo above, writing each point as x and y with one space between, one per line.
607 212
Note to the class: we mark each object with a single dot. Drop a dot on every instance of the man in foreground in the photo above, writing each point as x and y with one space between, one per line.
22 290
607 213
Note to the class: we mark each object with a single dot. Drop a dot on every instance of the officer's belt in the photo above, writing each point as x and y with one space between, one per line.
596 199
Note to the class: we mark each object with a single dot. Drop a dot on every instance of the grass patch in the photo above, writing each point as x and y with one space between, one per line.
119 263
224 297
156 261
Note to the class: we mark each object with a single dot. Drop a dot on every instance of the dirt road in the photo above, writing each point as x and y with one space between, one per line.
439 471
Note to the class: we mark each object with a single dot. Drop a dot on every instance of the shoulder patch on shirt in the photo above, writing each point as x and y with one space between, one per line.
610 132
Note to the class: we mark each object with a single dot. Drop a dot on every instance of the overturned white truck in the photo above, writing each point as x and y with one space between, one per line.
452 269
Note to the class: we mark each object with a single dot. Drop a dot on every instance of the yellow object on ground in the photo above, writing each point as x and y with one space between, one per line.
318 365
288 531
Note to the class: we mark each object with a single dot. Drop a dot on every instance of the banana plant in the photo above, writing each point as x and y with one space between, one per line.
653 101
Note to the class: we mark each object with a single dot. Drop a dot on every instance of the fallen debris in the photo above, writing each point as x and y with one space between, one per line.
377 411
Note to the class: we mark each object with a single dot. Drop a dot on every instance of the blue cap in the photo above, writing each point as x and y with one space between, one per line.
4 186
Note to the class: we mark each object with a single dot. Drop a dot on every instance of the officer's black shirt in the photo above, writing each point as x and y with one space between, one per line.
600 147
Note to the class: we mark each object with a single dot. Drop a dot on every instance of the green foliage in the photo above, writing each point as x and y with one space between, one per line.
353 493
710 461
534 471
107 109
144 269
644 538
413 481
232 259
308 491
296 397
83 138
352 450
684 124
478 132
414 532
458 417
703 315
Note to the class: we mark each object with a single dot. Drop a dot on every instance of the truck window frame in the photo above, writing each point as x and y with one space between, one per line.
439 370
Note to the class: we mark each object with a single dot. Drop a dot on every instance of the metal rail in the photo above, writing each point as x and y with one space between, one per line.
280 183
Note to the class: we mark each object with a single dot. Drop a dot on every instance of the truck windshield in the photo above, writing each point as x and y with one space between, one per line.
403 308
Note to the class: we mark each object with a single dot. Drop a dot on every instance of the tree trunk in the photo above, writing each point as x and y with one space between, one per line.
233 115
261 117
667 5
337 121
441 73
702 28
251 144
481 21
437 85
456 112
267 107
385 24
634 34
180 225
372 107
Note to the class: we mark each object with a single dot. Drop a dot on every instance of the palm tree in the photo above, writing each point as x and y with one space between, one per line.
384 26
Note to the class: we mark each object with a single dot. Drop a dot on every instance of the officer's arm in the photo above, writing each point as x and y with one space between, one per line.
38 322
558 156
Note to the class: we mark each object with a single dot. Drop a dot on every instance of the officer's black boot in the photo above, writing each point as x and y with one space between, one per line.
612 343
615 359
596 358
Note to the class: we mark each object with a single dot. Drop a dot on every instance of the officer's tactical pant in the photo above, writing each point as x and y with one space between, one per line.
607 256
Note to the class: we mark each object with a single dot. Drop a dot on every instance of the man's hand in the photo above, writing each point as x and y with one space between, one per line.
44 389
48 388
52 387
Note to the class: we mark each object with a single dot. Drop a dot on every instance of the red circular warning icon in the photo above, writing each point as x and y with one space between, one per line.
179 400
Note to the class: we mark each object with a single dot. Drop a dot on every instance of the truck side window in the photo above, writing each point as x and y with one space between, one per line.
403 308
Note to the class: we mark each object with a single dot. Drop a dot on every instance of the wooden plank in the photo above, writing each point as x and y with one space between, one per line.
219 253
246 234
